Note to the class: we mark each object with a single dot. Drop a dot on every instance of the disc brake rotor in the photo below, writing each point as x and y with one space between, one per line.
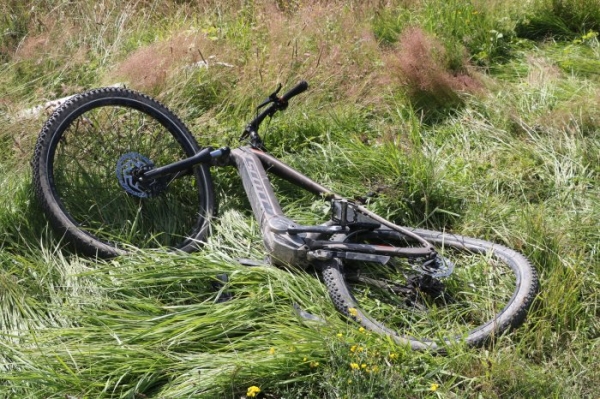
437 267
129 168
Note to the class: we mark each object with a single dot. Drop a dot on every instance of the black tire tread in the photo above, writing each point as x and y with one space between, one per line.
511 316
81 240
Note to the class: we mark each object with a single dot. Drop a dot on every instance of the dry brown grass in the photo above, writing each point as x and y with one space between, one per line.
33 47
326 43
577 116
542 71
419 62
149 67
54 35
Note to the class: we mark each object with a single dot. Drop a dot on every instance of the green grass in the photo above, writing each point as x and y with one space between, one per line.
513 156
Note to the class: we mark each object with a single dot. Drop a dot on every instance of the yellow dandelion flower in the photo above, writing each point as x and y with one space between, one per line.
363 366
272 351
362 330
360 349
393 356
353 312
590 35
339 335
354 366
253 391
434 387
314 365
353 348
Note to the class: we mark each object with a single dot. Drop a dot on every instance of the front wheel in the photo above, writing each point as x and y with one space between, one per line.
488 290
86 165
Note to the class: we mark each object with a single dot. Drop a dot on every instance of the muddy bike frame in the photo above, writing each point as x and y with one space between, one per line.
286 241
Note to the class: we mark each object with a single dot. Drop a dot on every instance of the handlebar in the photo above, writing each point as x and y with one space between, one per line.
276 104
299 88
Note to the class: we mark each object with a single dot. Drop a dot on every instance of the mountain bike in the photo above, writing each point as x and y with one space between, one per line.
115 169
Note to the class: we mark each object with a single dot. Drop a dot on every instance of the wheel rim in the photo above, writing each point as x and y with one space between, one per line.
90 158
428 309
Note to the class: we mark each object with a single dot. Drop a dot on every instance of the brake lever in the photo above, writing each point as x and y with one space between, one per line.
250 129
272 97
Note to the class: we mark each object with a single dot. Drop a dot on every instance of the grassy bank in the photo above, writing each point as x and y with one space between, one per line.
477 117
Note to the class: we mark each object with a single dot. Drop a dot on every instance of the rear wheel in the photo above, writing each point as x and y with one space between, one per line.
86 161
488 290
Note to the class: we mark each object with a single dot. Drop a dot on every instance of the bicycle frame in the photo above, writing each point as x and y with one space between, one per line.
286 241
290 243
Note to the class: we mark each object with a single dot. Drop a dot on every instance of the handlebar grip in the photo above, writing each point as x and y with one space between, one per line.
299 88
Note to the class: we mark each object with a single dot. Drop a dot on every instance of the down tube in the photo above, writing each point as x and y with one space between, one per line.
283 248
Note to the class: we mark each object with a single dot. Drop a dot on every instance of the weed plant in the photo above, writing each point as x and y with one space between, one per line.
477 117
